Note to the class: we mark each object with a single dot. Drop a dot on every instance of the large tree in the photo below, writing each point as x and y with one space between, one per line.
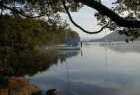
51 9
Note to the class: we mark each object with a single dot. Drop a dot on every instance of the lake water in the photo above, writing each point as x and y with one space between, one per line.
96 69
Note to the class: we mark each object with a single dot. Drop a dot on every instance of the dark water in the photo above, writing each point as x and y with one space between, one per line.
97 69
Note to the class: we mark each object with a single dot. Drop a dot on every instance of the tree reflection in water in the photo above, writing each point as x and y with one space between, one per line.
15 65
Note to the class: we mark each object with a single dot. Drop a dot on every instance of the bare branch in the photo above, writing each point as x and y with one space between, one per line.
120 21
78 26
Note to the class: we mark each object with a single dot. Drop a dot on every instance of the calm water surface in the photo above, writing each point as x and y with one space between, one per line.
97 69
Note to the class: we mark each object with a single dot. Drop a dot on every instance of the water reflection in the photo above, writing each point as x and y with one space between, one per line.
16 68
103 69
123 47
100 71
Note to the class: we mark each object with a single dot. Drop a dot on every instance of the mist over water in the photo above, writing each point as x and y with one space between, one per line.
98 69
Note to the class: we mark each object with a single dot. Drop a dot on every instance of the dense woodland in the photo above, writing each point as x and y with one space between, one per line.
20 40
29 33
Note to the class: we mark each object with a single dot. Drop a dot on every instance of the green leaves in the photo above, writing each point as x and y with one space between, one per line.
19 42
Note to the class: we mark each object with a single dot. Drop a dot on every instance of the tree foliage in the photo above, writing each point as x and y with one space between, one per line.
19 42
30 33
129 9
52 8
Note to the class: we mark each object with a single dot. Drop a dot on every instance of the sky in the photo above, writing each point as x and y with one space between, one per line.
85 18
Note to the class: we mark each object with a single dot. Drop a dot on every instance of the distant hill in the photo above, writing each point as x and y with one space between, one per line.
114 36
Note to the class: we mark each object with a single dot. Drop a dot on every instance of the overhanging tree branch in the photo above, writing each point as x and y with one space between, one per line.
78 26
120 21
